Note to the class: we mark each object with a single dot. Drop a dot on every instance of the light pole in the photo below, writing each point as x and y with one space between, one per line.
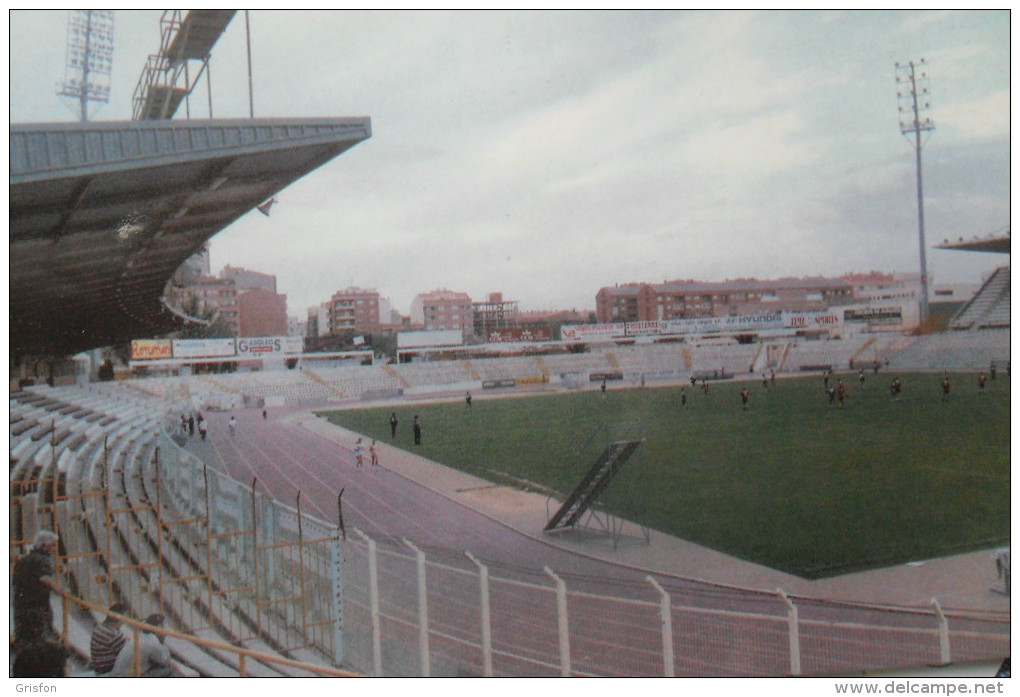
914 97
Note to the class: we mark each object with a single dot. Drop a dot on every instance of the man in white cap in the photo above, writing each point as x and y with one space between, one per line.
33 616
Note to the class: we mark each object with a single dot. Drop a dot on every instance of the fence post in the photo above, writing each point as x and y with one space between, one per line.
301 570
373 590
791 613
423 612
336 562
483 581
666 624
136 659
944 653
564 625
65 617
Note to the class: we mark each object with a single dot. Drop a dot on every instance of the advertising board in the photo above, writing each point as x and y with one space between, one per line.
150 349
251 346
203 348
430 338
514 334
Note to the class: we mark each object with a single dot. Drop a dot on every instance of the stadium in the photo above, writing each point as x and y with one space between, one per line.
298 532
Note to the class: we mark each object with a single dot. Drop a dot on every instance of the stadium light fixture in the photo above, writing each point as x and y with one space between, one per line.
89 59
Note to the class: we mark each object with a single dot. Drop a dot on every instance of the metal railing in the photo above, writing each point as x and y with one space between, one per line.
166 534
142 520
405 614
72 605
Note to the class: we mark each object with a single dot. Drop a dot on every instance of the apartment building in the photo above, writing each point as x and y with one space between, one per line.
443 309
262 313
354 309
213 294
245 279
688 299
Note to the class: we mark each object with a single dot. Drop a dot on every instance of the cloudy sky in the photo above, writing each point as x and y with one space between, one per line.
545 155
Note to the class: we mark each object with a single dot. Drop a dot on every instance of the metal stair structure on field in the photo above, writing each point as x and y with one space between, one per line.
593 484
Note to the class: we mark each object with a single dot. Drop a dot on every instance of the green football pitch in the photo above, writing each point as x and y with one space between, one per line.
793 482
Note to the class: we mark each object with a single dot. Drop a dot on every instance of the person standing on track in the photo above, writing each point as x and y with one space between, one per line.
373 454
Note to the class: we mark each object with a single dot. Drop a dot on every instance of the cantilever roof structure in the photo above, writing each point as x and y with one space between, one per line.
102 214
998 243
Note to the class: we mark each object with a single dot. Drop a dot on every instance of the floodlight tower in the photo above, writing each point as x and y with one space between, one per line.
89 59
914 96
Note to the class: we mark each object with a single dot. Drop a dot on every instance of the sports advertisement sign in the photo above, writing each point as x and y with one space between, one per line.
673 327
514 334
430 338
150 349
591 332
268 345
874 315
812 320
203 348
729 324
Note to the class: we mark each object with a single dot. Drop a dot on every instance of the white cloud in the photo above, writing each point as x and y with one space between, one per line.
984 119
916 22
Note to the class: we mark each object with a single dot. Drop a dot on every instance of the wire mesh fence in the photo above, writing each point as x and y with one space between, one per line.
479 624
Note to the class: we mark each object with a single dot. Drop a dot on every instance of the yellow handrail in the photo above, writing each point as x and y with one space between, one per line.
67 599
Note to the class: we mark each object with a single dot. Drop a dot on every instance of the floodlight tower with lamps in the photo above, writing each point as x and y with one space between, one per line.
914 96
89 59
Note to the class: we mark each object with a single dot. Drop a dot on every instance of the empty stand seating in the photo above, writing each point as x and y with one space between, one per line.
989 307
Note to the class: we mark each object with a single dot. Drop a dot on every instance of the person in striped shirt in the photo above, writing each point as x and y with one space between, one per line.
108 640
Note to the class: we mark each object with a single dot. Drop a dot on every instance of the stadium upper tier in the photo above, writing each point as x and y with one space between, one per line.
102 214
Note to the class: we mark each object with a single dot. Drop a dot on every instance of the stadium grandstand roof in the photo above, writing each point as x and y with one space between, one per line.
102 214
997 242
